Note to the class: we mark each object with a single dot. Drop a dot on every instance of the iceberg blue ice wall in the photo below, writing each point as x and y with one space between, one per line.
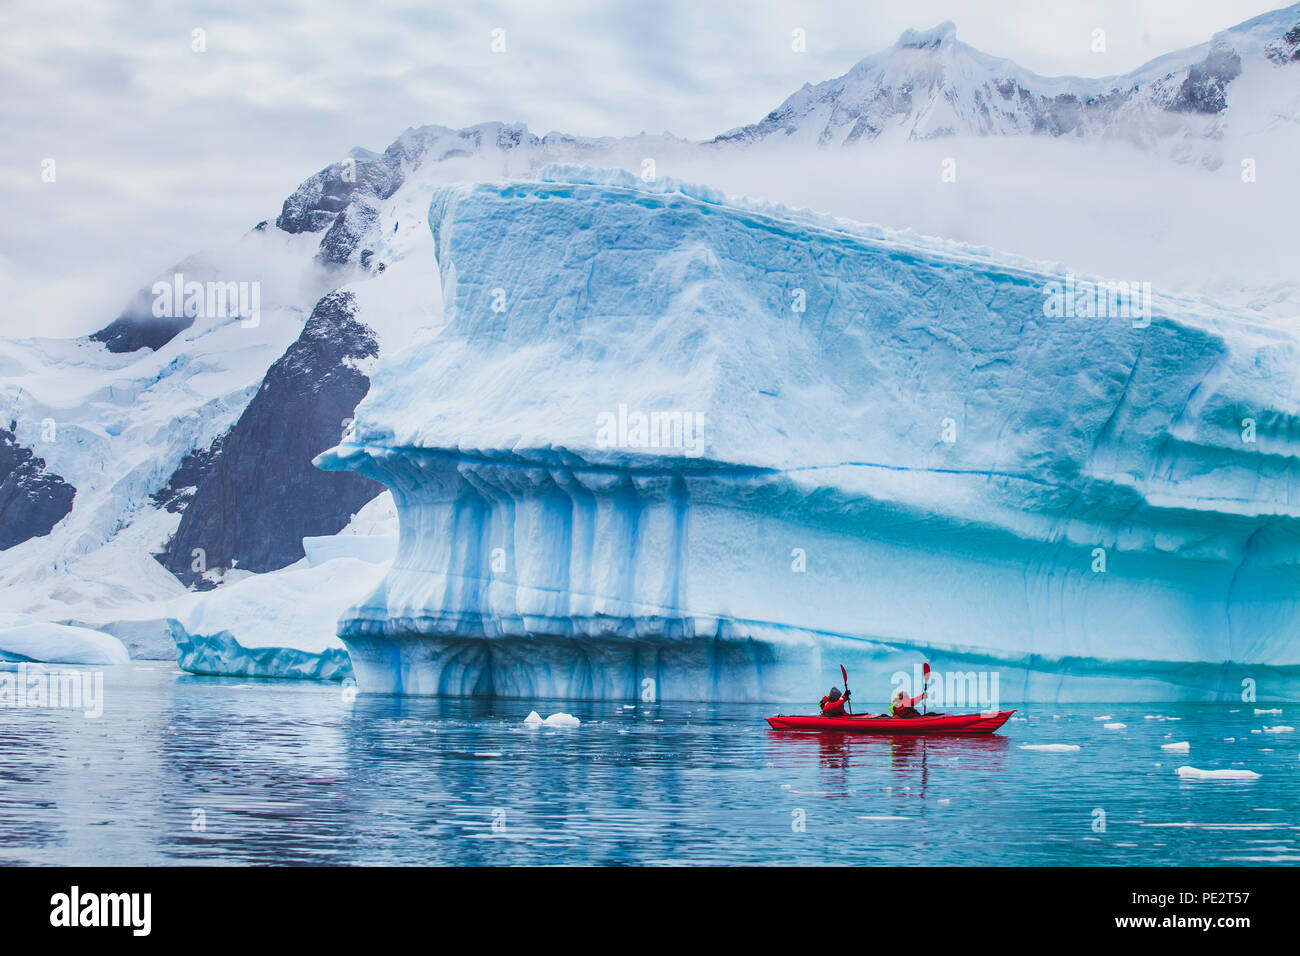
867 445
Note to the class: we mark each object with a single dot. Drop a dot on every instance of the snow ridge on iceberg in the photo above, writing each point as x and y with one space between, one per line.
900 449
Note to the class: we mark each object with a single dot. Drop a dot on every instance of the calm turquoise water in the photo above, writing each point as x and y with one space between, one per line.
183 769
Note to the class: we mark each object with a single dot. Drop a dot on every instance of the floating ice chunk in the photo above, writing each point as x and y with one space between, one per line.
1229 740
279 624
561 720
61 644
1153 717
1116 726
1181 747
1260 713
1052 748
534 719
1107 717
1279 729
1194 773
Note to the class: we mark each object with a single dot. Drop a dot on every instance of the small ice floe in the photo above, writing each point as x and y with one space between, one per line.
1153 717
1181 747
561 720
1260 713
1052 748
1114 726
1257 731
629 706
1229 740
487 753
1194 773
1279 729
534 719
1106 717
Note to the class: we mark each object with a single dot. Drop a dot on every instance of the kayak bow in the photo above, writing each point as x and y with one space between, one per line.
938 724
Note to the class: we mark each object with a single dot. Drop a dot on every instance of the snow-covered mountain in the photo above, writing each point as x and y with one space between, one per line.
929 84
190 435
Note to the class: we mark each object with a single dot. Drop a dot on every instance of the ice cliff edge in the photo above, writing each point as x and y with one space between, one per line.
673 442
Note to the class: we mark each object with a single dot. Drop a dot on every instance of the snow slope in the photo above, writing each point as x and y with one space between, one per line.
921 458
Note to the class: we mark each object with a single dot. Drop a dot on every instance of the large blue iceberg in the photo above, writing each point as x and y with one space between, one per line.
671 443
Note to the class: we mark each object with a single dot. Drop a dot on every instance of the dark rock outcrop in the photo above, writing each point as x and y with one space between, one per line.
258 493
185 480
1286 48
1205 88
32 500
316 204
134 330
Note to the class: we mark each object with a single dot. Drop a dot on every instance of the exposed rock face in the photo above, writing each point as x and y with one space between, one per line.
135 330
257 494
185 480
1205 88
1285 49
343 198
32 501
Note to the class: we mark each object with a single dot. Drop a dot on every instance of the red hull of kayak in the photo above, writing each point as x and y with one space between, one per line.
947 724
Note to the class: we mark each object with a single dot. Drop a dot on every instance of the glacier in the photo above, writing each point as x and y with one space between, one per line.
903 450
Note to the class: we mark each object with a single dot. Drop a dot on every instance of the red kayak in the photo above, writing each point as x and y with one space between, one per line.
938 724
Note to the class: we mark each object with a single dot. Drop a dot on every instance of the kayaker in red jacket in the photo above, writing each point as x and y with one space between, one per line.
904 706
833 703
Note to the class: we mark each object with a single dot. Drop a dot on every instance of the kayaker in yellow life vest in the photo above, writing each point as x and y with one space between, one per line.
904 706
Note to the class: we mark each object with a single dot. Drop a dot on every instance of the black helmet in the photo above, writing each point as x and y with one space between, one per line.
834 694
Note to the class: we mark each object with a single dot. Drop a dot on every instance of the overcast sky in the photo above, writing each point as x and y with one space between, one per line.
161 151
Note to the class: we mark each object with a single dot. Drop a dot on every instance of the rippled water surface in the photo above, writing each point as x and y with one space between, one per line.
183 769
